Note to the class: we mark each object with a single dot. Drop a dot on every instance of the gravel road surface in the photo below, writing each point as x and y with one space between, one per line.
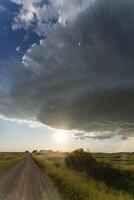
25 181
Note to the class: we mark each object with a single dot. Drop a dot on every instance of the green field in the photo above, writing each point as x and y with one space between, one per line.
121 160
77 185
7 159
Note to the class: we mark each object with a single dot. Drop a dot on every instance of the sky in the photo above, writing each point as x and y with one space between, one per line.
66 75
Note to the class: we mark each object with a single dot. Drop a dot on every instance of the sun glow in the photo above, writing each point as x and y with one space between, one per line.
61 137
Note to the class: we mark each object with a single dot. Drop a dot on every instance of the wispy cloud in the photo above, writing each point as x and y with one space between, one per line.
2 8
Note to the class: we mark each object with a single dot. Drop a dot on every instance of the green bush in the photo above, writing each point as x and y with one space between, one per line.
84 162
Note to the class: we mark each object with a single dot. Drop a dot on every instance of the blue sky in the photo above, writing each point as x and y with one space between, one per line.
10 39
64 72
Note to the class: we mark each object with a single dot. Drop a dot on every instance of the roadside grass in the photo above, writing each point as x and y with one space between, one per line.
76 185
7 159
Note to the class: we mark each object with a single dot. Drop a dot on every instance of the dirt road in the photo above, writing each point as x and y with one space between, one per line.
25 181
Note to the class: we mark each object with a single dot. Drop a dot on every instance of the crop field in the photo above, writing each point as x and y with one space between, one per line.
121 160
7 159
112 175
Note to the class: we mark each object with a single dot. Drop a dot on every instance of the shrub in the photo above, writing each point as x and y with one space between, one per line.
84 162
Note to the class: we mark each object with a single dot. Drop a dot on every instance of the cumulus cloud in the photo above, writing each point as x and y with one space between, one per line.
81 76
41 15
36 15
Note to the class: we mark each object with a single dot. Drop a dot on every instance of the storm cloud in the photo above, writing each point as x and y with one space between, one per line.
81 77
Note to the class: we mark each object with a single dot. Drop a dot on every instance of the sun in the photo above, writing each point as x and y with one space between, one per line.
61 137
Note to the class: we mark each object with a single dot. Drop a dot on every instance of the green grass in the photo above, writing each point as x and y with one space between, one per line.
7 159
75 185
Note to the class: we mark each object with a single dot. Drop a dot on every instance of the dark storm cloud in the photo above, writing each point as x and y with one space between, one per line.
82 76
